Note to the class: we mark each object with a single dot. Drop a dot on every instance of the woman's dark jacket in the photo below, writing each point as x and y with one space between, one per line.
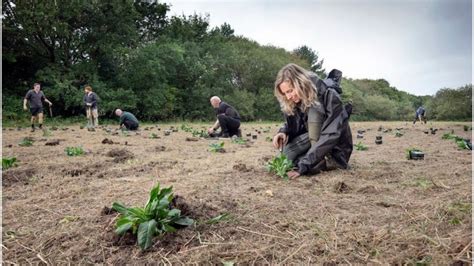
335 138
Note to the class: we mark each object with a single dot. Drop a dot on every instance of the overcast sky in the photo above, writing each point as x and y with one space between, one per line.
418 46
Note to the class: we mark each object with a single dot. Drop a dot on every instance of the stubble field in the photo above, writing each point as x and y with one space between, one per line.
385 209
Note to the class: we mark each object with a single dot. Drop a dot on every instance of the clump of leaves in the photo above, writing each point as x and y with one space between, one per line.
219 218
239 141
409 150
156 218
8 162
269 139
26 142
460 142
186 128
467 128
154 136
361 147
74 151
200 133
398 134
216 147
280 165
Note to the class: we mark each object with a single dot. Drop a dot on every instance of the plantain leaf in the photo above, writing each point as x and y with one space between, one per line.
120 208
146 232
186 221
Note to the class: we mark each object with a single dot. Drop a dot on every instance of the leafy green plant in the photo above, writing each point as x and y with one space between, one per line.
156 218
200 133
239 141
186 128
74 151
26 142
460 142
280 165
398 134
8 162
361 147
154 136
216 147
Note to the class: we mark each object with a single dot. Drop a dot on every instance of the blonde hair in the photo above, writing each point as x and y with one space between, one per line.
88 88
300 79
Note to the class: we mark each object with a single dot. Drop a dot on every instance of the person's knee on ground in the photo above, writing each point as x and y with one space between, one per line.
297 147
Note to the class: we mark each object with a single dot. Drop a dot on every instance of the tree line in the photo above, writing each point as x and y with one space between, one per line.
138 59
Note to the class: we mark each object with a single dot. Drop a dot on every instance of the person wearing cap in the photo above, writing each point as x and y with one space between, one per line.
34 97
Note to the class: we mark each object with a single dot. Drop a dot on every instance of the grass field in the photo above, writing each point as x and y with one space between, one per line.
385 209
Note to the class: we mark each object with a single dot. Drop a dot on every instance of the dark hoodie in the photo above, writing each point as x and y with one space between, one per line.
336 137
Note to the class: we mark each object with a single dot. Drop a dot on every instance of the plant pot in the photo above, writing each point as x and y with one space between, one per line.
378 141
417 155
378 137
360 136
254 136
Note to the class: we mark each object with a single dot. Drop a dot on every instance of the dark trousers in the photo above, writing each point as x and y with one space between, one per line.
130 125
228 124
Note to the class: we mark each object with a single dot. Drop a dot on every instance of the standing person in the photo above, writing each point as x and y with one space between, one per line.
127 120
316 134
90 101
34 98
420 115
228 119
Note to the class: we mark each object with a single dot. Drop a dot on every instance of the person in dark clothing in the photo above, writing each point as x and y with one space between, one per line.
228 119
420 115
34 98
127 120
90 101
316 135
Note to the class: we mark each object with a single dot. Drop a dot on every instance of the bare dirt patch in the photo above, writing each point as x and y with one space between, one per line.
385 210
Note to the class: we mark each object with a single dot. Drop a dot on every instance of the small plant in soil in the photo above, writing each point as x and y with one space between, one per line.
8 162
239 141
186 128
156 218
219 218
216 147
360 147
268 139
398 134
280 165
26 142
200 133
74 151
154 136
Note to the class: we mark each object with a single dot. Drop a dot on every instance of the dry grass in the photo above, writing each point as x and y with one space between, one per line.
386 209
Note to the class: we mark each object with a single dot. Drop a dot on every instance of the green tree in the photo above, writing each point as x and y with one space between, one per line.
312 57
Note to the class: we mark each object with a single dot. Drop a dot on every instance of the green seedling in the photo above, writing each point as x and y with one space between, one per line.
460 142
280 165
74 151
186 128
154 136
361 147
216 147
26 142
8 162
239 141
200 133
268 139
398 134
156 218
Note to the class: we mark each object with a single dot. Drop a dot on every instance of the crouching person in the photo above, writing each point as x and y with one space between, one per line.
228 119
127 120
316 135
